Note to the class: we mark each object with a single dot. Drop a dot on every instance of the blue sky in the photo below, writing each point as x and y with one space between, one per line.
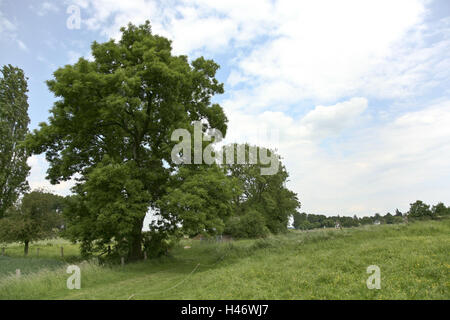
355 94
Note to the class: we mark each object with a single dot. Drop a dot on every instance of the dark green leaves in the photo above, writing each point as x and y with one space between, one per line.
13 128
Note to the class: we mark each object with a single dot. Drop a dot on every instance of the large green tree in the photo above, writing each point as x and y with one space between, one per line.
115 115
38 215
14 122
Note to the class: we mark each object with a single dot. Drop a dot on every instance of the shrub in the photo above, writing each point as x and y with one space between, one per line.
157 243
250 225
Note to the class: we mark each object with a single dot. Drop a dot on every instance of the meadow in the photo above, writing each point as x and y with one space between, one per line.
318 264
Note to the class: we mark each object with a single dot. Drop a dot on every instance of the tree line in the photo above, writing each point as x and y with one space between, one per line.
417 211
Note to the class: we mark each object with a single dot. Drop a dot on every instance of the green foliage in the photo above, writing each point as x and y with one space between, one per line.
440 210
199 200
37 216
420 210
388 218
304 221
266 194
157 243
13 128
107 207
299 219
122 108
252 224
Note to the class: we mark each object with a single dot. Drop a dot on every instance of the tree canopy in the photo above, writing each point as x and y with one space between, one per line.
420 210
38 215
112 126
261 193
200 200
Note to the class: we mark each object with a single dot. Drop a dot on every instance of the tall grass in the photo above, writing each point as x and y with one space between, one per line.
48 249
320 264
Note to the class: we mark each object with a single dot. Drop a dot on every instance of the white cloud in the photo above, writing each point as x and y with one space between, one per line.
6 25
322 50
8 31
37 180
324 121
22 45
46 62
373 169
45 8
192 25
287 56
319 123
350 48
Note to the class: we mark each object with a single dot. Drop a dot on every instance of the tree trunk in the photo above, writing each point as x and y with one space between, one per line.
25 249
135 251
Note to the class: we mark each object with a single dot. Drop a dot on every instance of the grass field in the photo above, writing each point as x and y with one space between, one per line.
321 264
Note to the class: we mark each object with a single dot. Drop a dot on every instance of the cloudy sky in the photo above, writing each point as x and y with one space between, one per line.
354 94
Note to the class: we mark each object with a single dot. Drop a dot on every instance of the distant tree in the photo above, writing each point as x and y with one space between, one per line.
37 216
420 210
14 122
397 219
440 210
305 225
388 218
366 220
329 223
317 219
304 221
348 222
299 218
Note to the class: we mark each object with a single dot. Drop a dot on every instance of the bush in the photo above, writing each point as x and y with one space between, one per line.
250 225
157 243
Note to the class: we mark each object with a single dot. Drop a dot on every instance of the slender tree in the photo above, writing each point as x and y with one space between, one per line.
14 122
